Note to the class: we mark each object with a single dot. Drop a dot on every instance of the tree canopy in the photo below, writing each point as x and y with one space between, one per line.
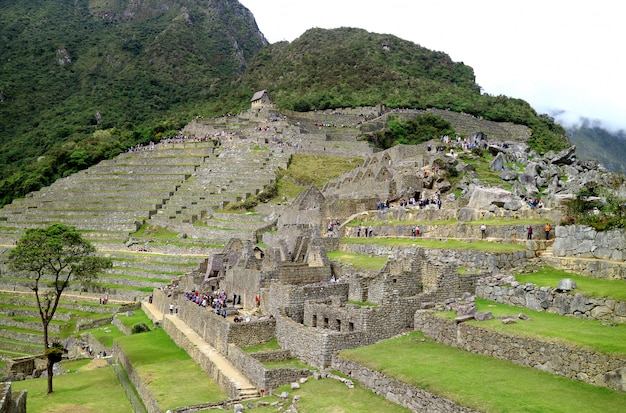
52 258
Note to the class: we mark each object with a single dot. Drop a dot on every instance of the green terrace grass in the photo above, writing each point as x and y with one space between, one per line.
161 364
154 231
587 286
146 279
579 332
137 317
370 219
291 363
362 303
85 391
305 170
451 244
480 382
104 334
267 346
332 396
112 286
358 261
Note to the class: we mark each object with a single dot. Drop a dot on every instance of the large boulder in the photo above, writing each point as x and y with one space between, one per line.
483 197
565 157
498 162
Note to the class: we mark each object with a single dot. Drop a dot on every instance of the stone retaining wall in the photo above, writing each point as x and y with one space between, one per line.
12 402
553 301
142 390
413 398
585 242
574 363
262 377
590 267
475 260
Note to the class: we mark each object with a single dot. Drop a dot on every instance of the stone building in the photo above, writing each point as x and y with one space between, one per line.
260 99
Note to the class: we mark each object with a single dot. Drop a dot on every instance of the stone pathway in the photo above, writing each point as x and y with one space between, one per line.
245 388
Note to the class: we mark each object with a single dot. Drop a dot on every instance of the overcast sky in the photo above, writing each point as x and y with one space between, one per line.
555 54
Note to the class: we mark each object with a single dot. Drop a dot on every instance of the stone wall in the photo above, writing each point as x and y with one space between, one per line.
262 377
413 398
292 298
12 402
475 260
585 242
574 363
553 301
142 389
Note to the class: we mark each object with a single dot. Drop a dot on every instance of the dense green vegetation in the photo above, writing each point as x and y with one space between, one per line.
598 207
83 81
347 67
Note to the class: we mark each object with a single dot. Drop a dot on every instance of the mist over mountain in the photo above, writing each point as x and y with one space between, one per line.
594 141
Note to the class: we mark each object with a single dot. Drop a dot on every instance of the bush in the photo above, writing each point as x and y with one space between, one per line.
140 328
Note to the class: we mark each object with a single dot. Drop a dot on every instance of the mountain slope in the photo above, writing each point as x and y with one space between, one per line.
594 142
69 68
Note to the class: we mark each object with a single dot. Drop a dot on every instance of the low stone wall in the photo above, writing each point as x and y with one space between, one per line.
475 260
553 301
262 377
585 242
151 405
411 397
12 402
574 363
597 268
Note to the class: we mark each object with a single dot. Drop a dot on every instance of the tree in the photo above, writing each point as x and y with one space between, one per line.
52 258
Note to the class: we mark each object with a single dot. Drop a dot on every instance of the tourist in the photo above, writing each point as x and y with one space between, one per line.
483 231
547 228
172 308
529 232
358 231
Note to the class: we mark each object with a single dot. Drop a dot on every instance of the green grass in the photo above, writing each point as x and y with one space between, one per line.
85 391
161 364
587 286
137 317
105 334
292 363
480 382
452 244
358 261
332 396
267 346
581 332
305 170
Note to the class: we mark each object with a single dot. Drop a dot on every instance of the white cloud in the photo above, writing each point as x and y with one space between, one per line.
554 54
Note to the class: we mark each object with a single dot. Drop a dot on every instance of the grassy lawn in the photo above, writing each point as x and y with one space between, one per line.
138 316
588 286
89 388
480 382
451 244
161 364
332 396
585 333
267 346
305 170
292 363
358 261
105 334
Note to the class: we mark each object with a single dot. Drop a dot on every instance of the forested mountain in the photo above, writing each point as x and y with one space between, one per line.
70 68
81 81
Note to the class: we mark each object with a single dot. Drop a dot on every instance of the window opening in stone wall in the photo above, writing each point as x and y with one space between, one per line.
351 326
325 322
338 325
394 280
314 321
